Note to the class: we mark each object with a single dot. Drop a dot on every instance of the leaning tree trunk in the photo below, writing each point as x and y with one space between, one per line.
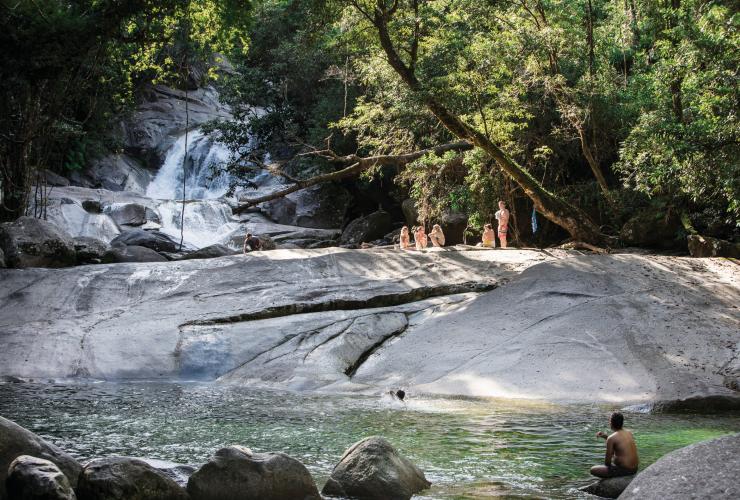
16 181
578 224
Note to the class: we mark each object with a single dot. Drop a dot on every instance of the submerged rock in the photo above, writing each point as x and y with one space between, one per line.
372 469
16 441
154 240
608 488
31 478
236 473
367 229
31 242
125 478
703 470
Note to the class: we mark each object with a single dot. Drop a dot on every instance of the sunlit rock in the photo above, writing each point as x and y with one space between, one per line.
31 478
125 478
372 469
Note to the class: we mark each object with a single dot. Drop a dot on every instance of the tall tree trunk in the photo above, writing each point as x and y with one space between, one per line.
578 224
15 180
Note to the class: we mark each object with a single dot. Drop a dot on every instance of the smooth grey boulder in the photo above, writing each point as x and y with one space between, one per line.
125 478
131 214
322 207
32 478
703 470
118 172
704 246
89 250
31 242
608 488
372 469
54 179
652 228
236 473
133 253
16 441
408 207
154 240
92 206
366 229
209 252
453 225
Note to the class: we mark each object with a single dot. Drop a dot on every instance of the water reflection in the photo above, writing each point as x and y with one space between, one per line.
468 448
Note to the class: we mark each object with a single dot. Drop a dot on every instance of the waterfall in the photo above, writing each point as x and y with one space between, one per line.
203 154
206 221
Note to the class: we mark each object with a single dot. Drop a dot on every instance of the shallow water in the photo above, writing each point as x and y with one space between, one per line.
467 448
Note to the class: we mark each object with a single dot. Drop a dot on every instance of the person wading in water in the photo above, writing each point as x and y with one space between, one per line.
621 451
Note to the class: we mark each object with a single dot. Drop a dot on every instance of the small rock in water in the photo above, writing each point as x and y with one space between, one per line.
125 478
373 470
31 478
236 473
608 488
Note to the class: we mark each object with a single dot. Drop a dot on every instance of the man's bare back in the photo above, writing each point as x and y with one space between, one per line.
621 457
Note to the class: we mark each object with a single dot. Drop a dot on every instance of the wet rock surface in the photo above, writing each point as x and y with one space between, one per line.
89 250
703 470
16 441
372 469
124 478
31 478
236 472
210 252
32 242
132 253
608 488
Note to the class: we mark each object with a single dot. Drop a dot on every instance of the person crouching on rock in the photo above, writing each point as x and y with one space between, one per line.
420 238
621 447
437 236
489 237
251 243
404 240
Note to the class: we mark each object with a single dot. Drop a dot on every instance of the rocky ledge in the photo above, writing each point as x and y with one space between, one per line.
500 323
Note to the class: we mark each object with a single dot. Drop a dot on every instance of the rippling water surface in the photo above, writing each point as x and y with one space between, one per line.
469 449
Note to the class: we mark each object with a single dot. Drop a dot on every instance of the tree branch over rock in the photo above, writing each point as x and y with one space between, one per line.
355 165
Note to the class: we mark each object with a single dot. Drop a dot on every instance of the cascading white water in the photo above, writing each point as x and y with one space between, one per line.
202 181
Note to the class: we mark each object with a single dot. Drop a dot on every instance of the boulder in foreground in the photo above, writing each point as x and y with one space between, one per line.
703 470
236 473
372 469
125 478
31 478
16 441
608 488
32 242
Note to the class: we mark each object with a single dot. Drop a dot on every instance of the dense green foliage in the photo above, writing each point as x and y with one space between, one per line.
613 105
69 68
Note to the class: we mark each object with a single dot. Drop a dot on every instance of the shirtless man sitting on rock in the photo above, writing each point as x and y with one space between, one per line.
620 446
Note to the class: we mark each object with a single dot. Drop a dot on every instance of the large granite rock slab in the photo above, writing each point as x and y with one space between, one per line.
31 478
16 441
703 470
236 473
32 242
627 328
125 478
372 469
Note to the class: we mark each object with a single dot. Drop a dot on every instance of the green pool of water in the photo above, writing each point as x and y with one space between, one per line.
468 448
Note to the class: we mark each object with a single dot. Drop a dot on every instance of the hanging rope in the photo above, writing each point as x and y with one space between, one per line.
187 124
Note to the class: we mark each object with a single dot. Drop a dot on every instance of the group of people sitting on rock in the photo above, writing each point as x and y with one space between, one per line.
421 240
437 236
